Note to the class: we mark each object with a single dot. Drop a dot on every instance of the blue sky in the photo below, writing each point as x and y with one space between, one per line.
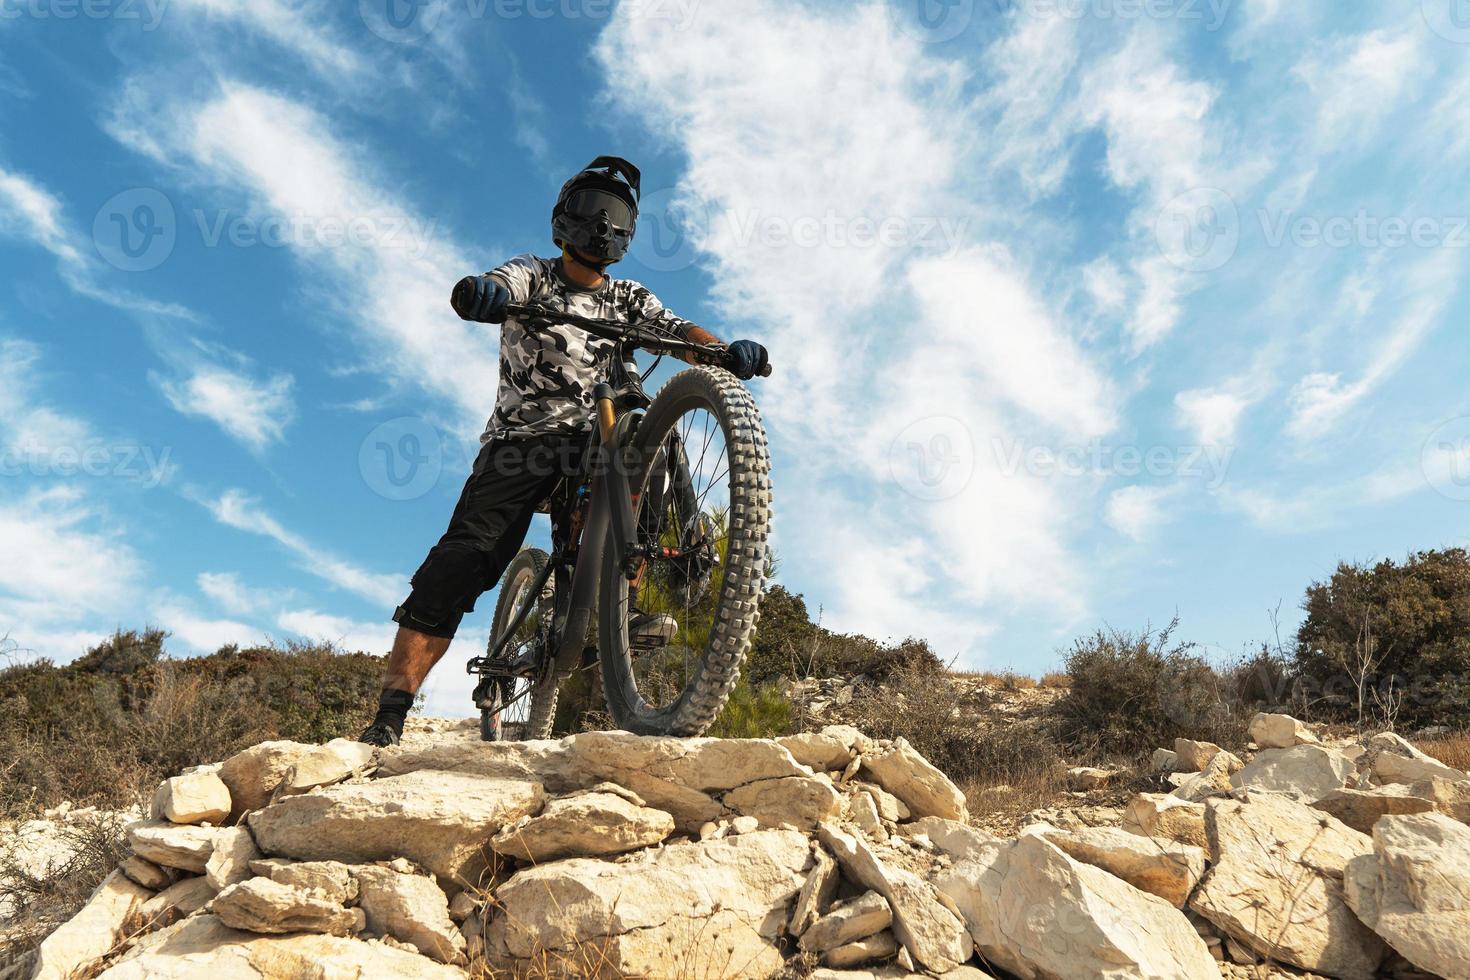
1082 311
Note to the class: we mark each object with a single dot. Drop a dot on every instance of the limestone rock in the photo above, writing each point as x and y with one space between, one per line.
848 922
588 824
1391 759
1213 780
331 879
863 813
1192 756
958 840
178 846
829 750
253 774
682 777
410 908
1275 884
890 807
1414 890
1168 817
816 892
1158 866
1361 808
1164 760
440 820
1085 778
643 915
795 801
1014 896
92 932
266 906
1310 772
1450 797
922 923
229 861
323 765
144 872
204 947
871 949
906 774
195 797
1271 731
184 897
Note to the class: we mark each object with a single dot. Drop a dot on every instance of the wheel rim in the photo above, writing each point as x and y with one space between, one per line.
683 504
513 694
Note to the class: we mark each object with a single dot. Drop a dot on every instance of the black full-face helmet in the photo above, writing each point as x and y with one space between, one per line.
597 211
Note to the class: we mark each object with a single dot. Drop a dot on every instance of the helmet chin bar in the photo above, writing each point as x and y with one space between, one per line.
581 258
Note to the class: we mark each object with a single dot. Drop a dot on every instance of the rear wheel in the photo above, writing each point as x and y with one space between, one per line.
516 708
702 478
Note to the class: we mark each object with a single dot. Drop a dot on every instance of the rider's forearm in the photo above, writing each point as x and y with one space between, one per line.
699 335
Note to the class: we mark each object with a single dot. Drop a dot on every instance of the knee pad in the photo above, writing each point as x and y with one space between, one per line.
444 588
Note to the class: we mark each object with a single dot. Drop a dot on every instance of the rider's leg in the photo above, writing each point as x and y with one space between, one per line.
488 525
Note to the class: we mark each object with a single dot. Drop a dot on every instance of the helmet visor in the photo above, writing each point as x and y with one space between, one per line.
588 204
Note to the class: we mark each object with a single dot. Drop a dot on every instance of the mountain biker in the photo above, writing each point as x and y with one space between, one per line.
543 414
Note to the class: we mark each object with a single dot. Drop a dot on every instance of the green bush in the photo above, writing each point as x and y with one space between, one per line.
754 712
1390 641
1132 693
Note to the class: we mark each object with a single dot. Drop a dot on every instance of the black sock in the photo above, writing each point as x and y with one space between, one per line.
393 706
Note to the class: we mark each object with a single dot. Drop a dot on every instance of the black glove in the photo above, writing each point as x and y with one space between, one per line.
480 298
747 359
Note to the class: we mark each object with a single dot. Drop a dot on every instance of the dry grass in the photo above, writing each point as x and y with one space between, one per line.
1055 680
1452 750
43 899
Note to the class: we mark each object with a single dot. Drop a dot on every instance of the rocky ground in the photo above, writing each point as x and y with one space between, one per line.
826 854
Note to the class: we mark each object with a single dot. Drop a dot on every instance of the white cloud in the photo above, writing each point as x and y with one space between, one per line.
349 634
1137 510
1359 81
1212 414
1321 398
231 594
28 429
285 159
294 26
200 634
64 563
253 411
28 210
238 510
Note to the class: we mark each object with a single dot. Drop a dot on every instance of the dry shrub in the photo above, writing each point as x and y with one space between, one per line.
1132 693
1055 680
41 899
940 719
1452 750
107 727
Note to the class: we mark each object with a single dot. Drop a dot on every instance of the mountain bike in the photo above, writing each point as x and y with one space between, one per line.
669 518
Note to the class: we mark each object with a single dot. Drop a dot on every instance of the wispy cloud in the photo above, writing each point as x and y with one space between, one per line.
284 159
254 411
239 510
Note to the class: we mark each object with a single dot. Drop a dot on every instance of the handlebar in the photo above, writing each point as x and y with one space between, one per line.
639 335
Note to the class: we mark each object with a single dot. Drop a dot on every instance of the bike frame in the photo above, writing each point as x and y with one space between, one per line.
610 499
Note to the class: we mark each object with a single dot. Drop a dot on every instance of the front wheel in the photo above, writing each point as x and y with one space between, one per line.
701 479
514 708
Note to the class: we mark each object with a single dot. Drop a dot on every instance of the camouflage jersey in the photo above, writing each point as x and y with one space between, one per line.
546 377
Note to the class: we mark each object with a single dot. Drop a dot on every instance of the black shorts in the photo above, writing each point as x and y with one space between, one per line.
511 479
